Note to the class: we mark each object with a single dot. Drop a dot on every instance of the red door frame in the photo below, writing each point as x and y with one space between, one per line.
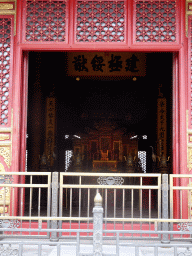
177 108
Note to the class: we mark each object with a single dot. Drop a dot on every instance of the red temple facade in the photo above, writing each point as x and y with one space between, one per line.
76 26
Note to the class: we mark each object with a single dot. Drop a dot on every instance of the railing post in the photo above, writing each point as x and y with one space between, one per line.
165 208
97 225
54 206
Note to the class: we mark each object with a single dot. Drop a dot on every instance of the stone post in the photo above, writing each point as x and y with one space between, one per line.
165 208
54 206
97 225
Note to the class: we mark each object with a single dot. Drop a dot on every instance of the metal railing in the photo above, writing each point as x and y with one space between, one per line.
24 194
97 239
124 196
181 202
131 202
42 247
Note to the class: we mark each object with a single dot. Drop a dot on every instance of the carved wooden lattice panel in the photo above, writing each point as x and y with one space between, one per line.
5 52
46 21
190 69
189 110
100 21
155 21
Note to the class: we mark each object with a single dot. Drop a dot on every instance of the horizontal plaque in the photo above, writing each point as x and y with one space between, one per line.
106 64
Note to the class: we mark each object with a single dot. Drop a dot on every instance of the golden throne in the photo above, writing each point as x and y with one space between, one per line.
104 155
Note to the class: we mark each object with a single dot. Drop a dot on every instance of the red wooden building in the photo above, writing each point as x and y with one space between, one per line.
109 31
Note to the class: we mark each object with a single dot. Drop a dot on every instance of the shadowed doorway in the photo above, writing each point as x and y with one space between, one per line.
80 102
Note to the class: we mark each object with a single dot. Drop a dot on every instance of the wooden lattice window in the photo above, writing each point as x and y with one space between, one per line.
100 21
46 21
190 70
155 21
5 55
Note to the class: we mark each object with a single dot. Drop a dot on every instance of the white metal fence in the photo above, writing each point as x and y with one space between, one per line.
137 207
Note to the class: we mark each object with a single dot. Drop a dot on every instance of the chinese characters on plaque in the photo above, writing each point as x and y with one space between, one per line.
106 64
50 129
162 127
